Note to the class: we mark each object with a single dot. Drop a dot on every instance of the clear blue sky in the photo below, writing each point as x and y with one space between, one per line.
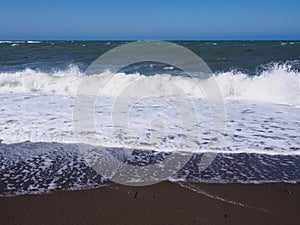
138 19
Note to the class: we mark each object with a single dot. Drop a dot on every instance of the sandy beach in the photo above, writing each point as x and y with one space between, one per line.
164 203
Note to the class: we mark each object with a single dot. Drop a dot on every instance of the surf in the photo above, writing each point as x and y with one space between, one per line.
277 84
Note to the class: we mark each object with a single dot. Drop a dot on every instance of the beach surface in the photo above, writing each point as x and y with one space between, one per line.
163 203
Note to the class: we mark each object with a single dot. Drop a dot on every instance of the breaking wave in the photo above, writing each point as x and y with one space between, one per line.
277 84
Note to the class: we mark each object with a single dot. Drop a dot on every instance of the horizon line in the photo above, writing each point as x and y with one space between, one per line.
129 39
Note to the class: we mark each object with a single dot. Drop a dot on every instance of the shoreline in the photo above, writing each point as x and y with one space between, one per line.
163 203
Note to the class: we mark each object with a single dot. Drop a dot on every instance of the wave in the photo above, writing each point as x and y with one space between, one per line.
20 42
11 42
33 42
30 80
277 84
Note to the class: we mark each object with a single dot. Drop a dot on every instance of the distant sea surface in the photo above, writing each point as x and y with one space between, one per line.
259 80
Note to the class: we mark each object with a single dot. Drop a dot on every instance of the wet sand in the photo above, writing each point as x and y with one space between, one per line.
164 203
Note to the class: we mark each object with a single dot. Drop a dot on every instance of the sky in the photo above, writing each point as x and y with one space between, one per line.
150 20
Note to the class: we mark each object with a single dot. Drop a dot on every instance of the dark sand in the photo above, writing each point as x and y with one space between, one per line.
164 203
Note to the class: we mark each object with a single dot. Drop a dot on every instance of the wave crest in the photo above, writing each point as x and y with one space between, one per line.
278 84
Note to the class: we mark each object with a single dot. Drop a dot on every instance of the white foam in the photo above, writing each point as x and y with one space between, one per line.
10 42
276 85
251 127
18 42
38 107
29 80
33 42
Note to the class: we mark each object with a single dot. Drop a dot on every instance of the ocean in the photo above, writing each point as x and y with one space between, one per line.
39 150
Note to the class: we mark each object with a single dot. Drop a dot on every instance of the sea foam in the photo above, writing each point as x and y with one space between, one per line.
275 85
